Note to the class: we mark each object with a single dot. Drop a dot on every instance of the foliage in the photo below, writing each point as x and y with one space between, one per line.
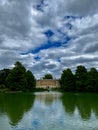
81 78
30 81
81 81
3 75
20 79
93 80
17 79
67 80
2 86
48 76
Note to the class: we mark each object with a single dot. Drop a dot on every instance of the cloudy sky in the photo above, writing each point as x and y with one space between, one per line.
48 36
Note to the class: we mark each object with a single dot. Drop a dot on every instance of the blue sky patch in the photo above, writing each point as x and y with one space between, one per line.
59 60
69 26
72 17
49 44
37 58
49 33
40 6
46 46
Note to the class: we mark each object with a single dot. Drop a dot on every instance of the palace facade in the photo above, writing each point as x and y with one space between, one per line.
44 83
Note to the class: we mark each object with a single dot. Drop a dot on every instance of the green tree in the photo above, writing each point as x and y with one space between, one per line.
30 81
3 75
81 78
19 79
67 80
16 79
93 80
48 76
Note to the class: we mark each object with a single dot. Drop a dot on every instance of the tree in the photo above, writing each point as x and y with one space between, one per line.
48 76
30 81
16 79
3 75
81 78
19 79
93 80
67 80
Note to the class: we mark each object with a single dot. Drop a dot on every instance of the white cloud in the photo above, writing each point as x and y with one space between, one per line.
22 26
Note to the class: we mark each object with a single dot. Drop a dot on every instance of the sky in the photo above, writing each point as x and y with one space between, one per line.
48 36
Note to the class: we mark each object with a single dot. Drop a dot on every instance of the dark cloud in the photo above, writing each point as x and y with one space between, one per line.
83 7
92 48
65 31
14 18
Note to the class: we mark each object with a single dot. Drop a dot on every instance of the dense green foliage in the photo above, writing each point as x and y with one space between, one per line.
81 78
20 79
67 80
17 79
3 75
48 76
81 81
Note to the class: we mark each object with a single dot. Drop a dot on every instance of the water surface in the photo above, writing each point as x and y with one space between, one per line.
48 111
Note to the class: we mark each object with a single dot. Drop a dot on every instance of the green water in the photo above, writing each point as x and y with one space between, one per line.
48 111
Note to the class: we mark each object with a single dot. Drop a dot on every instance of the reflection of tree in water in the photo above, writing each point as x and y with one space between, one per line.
86 103
95 104
15 105
69 102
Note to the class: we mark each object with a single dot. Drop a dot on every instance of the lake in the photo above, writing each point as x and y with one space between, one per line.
49 111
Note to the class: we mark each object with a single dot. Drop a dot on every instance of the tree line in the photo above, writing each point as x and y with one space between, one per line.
81 81
17 79
20 79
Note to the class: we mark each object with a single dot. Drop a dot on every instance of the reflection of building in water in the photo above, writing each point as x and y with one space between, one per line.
47 98
44 83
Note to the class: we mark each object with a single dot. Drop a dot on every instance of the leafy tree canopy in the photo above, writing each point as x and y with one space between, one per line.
3 75
19 79
67 80
48 76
